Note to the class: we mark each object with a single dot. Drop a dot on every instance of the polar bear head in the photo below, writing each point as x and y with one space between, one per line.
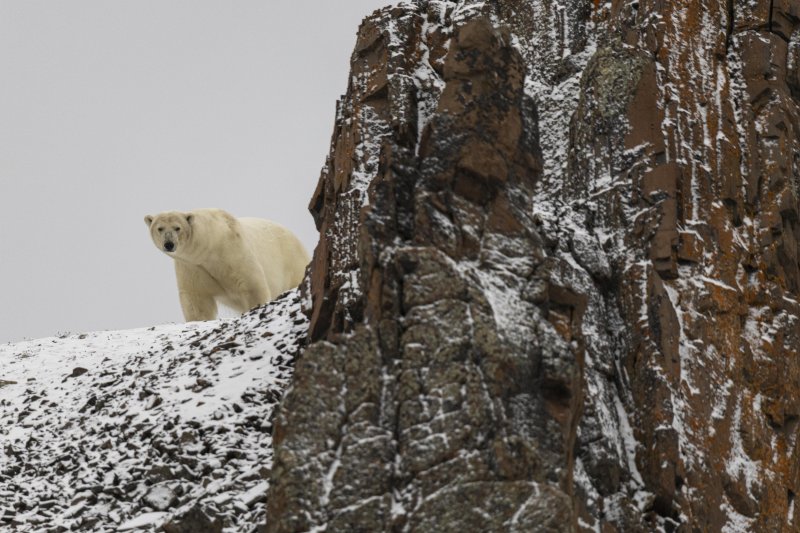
171 231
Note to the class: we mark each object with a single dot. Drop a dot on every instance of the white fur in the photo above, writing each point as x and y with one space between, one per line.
238 262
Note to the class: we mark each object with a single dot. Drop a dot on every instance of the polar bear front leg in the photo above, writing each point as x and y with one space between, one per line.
196 289
196 307
245 286
253 295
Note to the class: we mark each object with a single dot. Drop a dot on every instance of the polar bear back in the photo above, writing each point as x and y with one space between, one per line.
279 252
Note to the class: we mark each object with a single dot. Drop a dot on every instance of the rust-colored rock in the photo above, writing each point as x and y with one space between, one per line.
557 286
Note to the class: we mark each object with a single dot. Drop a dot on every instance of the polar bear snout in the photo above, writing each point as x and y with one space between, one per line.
170 230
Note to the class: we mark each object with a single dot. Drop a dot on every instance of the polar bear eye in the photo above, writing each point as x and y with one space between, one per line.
160 230
177 229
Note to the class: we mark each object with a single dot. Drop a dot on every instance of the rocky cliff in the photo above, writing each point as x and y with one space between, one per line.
557 282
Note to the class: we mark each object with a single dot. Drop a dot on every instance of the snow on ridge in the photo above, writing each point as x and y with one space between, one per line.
103 430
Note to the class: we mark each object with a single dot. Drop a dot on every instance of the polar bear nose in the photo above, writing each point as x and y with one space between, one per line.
169 246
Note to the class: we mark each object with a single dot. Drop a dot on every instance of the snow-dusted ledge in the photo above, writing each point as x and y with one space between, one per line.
137 429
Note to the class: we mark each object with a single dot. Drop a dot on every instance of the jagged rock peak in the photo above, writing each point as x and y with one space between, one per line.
557 282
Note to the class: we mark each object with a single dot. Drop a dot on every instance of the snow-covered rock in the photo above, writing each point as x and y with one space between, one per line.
558 278
138 429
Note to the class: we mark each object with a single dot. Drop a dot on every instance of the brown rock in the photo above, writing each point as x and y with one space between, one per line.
624 360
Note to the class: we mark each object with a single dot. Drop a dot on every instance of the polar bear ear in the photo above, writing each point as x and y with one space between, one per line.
189 218
148 220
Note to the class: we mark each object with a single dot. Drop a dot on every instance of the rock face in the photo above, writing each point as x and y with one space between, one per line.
557 282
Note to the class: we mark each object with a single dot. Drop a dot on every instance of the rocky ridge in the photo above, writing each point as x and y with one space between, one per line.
557 282
166 428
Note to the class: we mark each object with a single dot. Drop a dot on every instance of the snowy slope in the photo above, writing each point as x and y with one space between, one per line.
170 425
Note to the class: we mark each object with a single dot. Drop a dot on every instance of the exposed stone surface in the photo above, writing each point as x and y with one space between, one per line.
195 520
557 282
165 426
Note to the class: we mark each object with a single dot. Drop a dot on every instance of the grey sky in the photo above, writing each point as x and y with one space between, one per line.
113 110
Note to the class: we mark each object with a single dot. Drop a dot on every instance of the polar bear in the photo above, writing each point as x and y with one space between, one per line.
238 262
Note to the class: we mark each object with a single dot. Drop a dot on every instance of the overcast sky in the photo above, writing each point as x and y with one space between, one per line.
110 111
